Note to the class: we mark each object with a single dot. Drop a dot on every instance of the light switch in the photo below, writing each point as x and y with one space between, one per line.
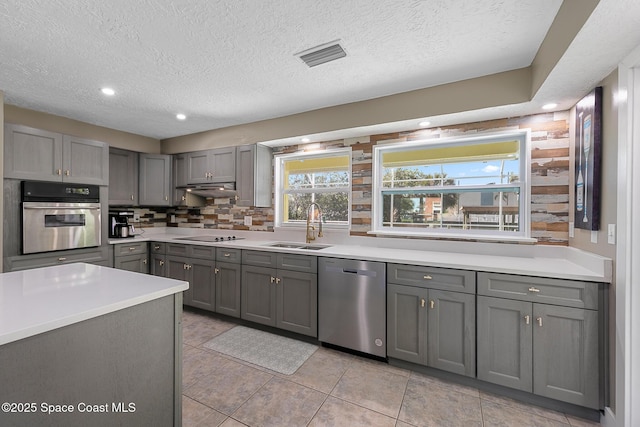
594 236
248 220
572 229
611 234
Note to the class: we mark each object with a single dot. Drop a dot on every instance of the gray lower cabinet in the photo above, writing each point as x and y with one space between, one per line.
432 327
228 283
123 177
97 256
37 154
284 298
158 261
155 180
550 350
200 275
131 257
428 325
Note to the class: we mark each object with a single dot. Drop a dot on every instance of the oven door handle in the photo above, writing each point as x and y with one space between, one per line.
49 208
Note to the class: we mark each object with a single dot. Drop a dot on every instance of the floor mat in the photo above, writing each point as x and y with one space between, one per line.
280 354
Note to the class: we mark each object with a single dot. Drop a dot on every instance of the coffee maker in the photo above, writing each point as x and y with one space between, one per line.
119 226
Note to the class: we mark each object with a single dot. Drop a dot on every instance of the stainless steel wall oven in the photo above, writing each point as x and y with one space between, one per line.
58 216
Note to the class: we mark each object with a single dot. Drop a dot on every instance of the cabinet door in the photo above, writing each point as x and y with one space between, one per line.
258 294
85 161
223 164
202 281
176 268
228 288
179 179
155 180
123 177
565 354
32 153
198 168
157 266
297 302
451 332
254 175
136 263
406 323
505 331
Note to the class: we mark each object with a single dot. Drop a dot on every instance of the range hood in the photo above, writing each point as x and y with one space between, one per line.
226 189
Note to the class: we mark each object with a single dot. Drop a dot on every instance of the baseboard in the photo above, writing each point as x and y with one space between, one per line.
608 419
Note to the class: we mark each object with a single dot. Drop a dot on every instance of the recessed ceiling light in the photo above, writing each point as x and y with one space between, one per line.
424 124
549 106
181 116
108 91
305 140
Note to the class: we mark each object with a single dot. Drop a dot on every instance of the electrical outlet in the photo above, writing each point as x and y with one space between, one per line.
611 234
136 217
594 236
248 220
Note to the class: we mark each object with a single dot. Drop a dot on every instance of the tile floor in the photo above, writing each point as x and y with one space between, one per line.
333 389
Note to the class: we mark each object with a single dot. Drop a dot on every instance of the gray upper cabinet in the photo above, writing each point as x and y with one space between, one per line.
254 175
155 180
211 166
549 348
123 177
41 155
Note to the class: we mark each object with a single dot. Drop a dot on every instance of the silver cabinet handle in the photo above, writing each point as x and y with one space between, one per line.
183 198
132 197
427 277
539 320
422 302
61 259
532 289
527 319
185 267
58 171
273 279
166 198
67 172
132 248
161 263
432 304
216 270
277 280
156 247
227 255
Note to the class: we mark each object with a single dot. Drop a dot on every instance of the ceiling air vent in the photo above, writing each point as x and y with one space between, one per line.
322 54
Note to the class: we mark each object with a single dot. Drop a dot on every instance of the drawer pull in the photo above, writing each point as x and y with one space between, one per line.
156 247
227 255
422 302
161 263
216 270
432 304
62 259
273 279
539 320
277 280
132 248
532 289
527 319
427 277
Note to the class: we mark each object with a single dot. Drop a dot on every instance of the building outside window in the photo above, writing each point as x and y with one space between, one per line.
320 177
455 187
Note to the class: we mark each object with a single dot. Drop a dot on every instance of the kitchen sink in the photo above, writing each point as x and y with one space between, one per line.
297 246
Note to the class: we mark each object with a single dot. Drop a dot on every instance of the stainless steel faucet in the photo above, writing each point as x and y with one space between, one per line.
311 228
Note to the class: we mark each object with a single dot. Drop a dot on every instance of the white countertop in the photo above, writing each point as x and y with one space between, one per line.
552 261
42 299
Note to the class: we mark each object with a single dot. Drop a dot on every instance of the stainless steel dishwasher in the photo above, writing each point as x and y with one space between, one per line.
352 304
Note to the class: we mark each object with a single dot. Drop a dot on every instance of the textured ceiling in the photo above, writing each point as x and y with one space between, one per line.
224 63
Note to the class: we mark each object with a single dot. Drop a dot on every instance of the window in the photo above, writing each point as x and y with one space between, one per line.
323 178
464 187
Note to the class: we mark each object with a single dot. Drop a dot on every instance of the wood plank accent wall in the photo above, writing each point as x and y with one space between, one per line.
550 168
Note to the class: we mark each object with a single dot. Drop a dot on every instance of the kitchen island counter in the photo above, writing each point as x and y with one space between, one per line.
89 345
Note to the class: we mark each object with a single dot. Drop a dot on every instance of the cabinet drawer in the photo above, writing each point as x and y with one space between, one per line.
306 263
177 249
432 277
203 252
259 258
157 247
538 289
130 248
229 255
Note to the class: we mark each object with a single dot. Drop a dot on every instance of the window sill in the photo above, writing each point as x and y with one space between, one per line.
452 236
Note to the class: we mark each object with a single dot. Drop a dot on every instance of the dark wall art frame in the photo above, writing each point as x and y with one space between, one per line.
588 150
